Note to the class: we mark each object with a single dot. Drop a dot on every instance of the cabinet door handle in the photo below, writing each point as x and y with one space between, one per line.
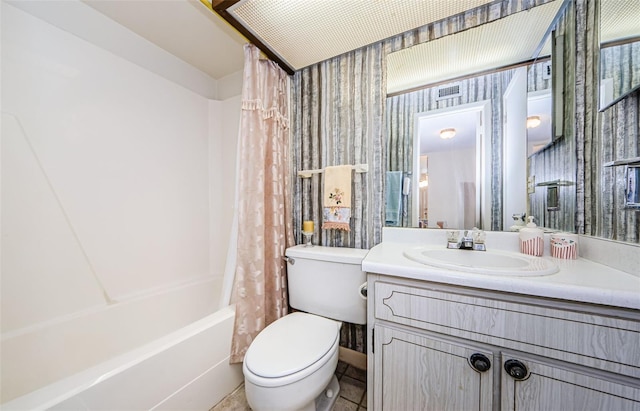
516 369
480 362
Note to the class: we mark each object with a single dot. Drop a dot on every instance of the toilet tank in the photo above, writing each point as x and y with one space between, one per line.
326 281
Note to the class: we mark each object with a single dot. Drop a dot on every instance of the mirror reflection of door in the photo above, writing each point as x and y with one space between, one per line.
451 166
538 120
514 146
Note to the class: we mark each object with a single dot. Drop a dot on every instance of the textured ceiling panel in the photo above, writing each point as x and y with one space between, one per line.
506 41
620 19
304 32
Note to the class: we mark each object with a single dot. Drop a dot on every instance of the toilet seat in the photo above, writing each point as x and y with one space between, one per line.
290 349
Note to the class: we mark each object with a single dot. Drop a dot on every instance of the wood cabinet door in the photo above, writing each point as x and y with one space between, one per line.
554 386
419 372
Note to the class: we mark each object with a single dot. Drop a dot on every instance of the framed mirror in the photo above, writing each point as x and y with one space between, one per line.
619 50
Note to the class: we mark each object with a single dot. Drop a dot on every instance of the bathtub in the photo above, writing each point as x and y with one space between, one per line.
165 351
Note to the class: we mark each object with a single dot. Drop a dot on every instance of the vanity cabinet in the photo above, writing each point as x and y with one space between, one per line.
548 386
418 371
440 347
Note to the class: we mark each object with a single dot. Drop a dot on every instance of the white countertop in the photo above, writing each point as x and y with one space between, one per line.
580 280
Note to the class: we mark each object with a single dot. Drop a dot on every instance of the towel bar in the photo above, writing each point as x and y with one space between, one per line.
359 168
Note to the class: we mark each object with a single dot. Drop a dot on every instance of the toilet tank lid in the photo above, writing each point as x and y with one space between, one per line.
291 344
335 254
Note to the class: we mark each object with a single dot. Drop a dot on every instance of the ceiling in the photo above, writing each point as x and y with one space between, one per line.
185 28
429 131
539 104
325 29
322 29
619 20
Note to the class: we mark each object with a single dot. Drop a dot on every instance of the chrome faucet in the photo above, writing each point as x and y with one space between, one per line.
466 243
467 239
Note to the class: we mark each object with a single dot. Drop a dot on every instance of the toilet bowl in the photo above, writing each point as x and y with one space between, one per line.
291 364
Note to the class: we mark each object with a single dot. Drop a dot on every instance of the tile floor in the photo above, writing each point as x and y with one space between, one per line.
353 392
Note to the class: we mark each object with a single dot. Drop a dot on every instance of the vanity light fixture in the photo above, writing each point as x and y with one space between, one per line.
447 133
533 121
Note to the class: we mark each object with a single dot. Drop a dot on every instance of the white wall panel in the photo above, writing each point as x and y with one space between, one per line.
44 271
126 154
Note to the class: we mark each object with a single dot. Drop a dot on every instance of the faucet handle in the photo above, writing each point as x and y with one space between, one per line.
519 217
453 239
479 236
478 240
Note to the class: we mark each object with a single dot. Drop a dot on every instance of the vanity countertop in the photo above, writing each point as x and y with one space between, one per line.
581 280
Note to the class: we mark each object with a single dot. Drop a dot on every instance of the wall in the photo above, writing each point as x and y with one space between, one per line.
620 68
337 117
224 123
75 16
112 177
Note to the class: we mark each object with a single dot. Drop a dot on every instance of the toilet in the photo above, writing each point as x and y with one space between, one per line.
291 364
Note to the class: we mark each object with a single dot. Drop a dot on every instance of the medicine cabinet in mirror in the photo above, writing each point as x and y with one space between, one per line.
632 187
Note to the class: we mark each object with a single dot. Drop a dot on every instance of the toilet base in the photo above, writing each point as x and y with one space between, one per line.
327 398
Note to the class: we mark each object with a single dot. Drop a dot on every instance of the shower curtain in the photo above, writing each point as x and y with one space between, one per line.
264 201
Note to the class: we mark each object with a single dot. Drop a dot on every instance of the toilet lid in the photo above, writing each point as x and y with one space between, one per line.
291 344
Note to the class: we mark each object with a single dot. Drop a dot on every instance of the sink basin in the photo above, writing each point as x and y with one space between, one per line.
483 262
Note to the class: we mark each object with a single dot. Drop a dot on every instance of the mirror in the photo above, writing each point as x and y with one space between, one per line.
479 194
619 50
452 187
453 182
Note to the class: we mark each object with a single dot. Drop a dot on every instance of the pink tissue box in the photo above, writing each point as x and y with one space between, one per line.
532 246
564 246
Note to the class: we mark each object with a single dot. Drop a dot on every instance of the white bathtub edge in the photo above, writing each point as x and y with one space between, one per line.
207 390
60 391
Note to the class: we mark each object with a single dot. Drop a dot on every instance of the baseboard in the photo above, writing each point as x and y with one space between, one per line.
352 357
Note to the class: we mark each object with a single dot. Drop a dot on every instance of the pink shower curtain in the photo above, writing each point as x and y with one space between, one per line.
264 201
